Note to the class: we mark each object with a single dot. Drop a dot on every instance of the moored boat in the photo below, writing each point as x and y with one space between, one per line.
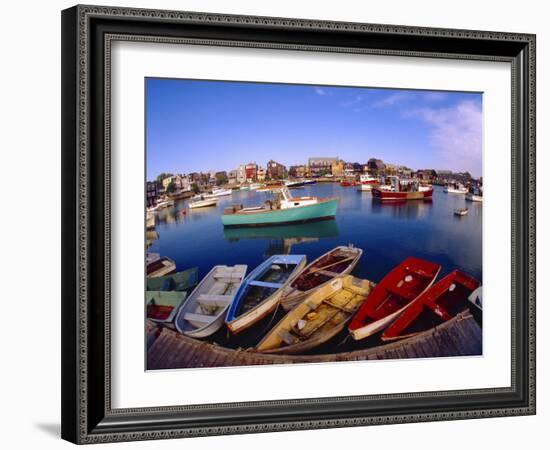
284 210
461 211
440 303
203 203
180 194
402 189
367 182
178 281
150 221
261 291
256 186
162 306
157 266
203 312
455 188
318 318
475 194
392 295
347 183
218 193
336 262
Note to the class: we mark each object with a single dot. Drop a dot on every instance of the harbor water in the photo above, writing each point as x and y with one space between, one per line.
387 232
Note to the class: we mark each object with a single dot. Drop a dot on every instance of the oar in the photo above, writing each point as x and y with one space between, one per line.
331 264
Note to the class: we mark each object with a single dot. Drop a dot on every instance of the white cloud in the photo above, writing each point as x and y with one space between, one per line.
320 91
456 134
354 101
392 99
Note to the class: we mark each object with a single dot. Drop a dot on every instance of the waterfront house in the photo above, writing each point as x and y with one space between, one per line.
337 169
320 165
251 171
275 170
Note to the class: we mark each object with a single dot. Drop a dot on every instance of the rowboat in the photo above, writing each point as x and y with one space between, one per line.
157 266
318 318
346 183
461 211
284 209
162 306
261 291
338 261
203 203
203 313
179 281
443 301
392 295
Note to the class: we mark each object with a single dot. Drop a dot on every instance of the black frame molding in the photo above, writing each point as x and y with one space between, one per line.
87 33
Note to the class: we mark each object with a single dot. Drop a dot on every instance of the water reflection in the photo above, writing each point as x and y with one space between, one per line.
282 238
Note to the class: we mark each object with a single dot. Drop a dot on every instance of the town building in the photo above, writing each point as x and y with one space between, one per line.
349 170
261 174
251 170
376 165
241 174
426 175
152 192
337 168
275 170
297 171
232 177
319 166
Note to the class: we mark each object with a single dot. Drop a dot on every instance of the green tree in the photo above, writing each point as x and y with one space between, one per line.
171 187
162 176
195 188
221 179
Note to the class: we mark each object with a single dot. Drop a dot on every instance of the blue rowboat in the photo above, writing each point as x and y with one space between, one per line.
261 291
284 210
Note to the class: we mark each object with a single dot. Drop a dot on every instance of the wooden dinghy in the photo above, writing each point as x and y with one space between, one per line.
261 291
392 295
461 211
159 266
203 313
339 261
162 306
443 301
318 318
179 281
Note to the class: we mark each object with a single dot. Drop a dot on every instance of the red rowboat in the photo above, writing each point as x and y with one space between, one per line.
392 295
347 183
440 303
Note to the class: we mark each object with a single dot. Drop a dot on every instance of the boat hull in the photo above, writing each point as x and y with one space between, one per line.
387 195
322 210
474 198
239 323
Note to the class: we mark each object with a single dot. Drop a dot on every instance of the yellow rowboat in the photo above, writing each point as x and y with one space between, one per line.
318 318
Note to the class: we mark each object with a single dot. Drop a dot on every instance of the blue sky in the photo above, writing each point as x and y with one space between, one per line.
197 126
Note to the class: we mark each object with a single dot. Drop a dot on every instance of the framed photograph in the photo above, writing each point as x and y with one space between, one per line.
282 224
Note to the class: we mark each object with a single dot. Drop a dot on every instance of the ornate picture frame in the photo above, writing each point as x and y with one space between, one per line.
87 35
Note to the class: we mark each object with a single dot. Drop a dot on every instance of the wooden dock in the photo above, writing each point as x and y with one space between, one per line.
167 349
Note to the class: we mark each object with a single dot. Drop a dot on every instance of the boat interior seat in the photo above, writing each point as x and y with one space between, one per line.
214 300
227 275
419 272
265 284
328 273
198 320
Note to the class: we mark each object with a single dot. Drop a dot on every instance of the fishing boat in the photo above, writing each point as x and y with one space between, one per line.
162 306
338 261
392 295
256 186
284 209
475 195
367 182
179 281
245 188
455 188
180 194
204 311
443 301
218 193
461 211
293 184
157 266
261 291
347 183
402 189
318 318
203 203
